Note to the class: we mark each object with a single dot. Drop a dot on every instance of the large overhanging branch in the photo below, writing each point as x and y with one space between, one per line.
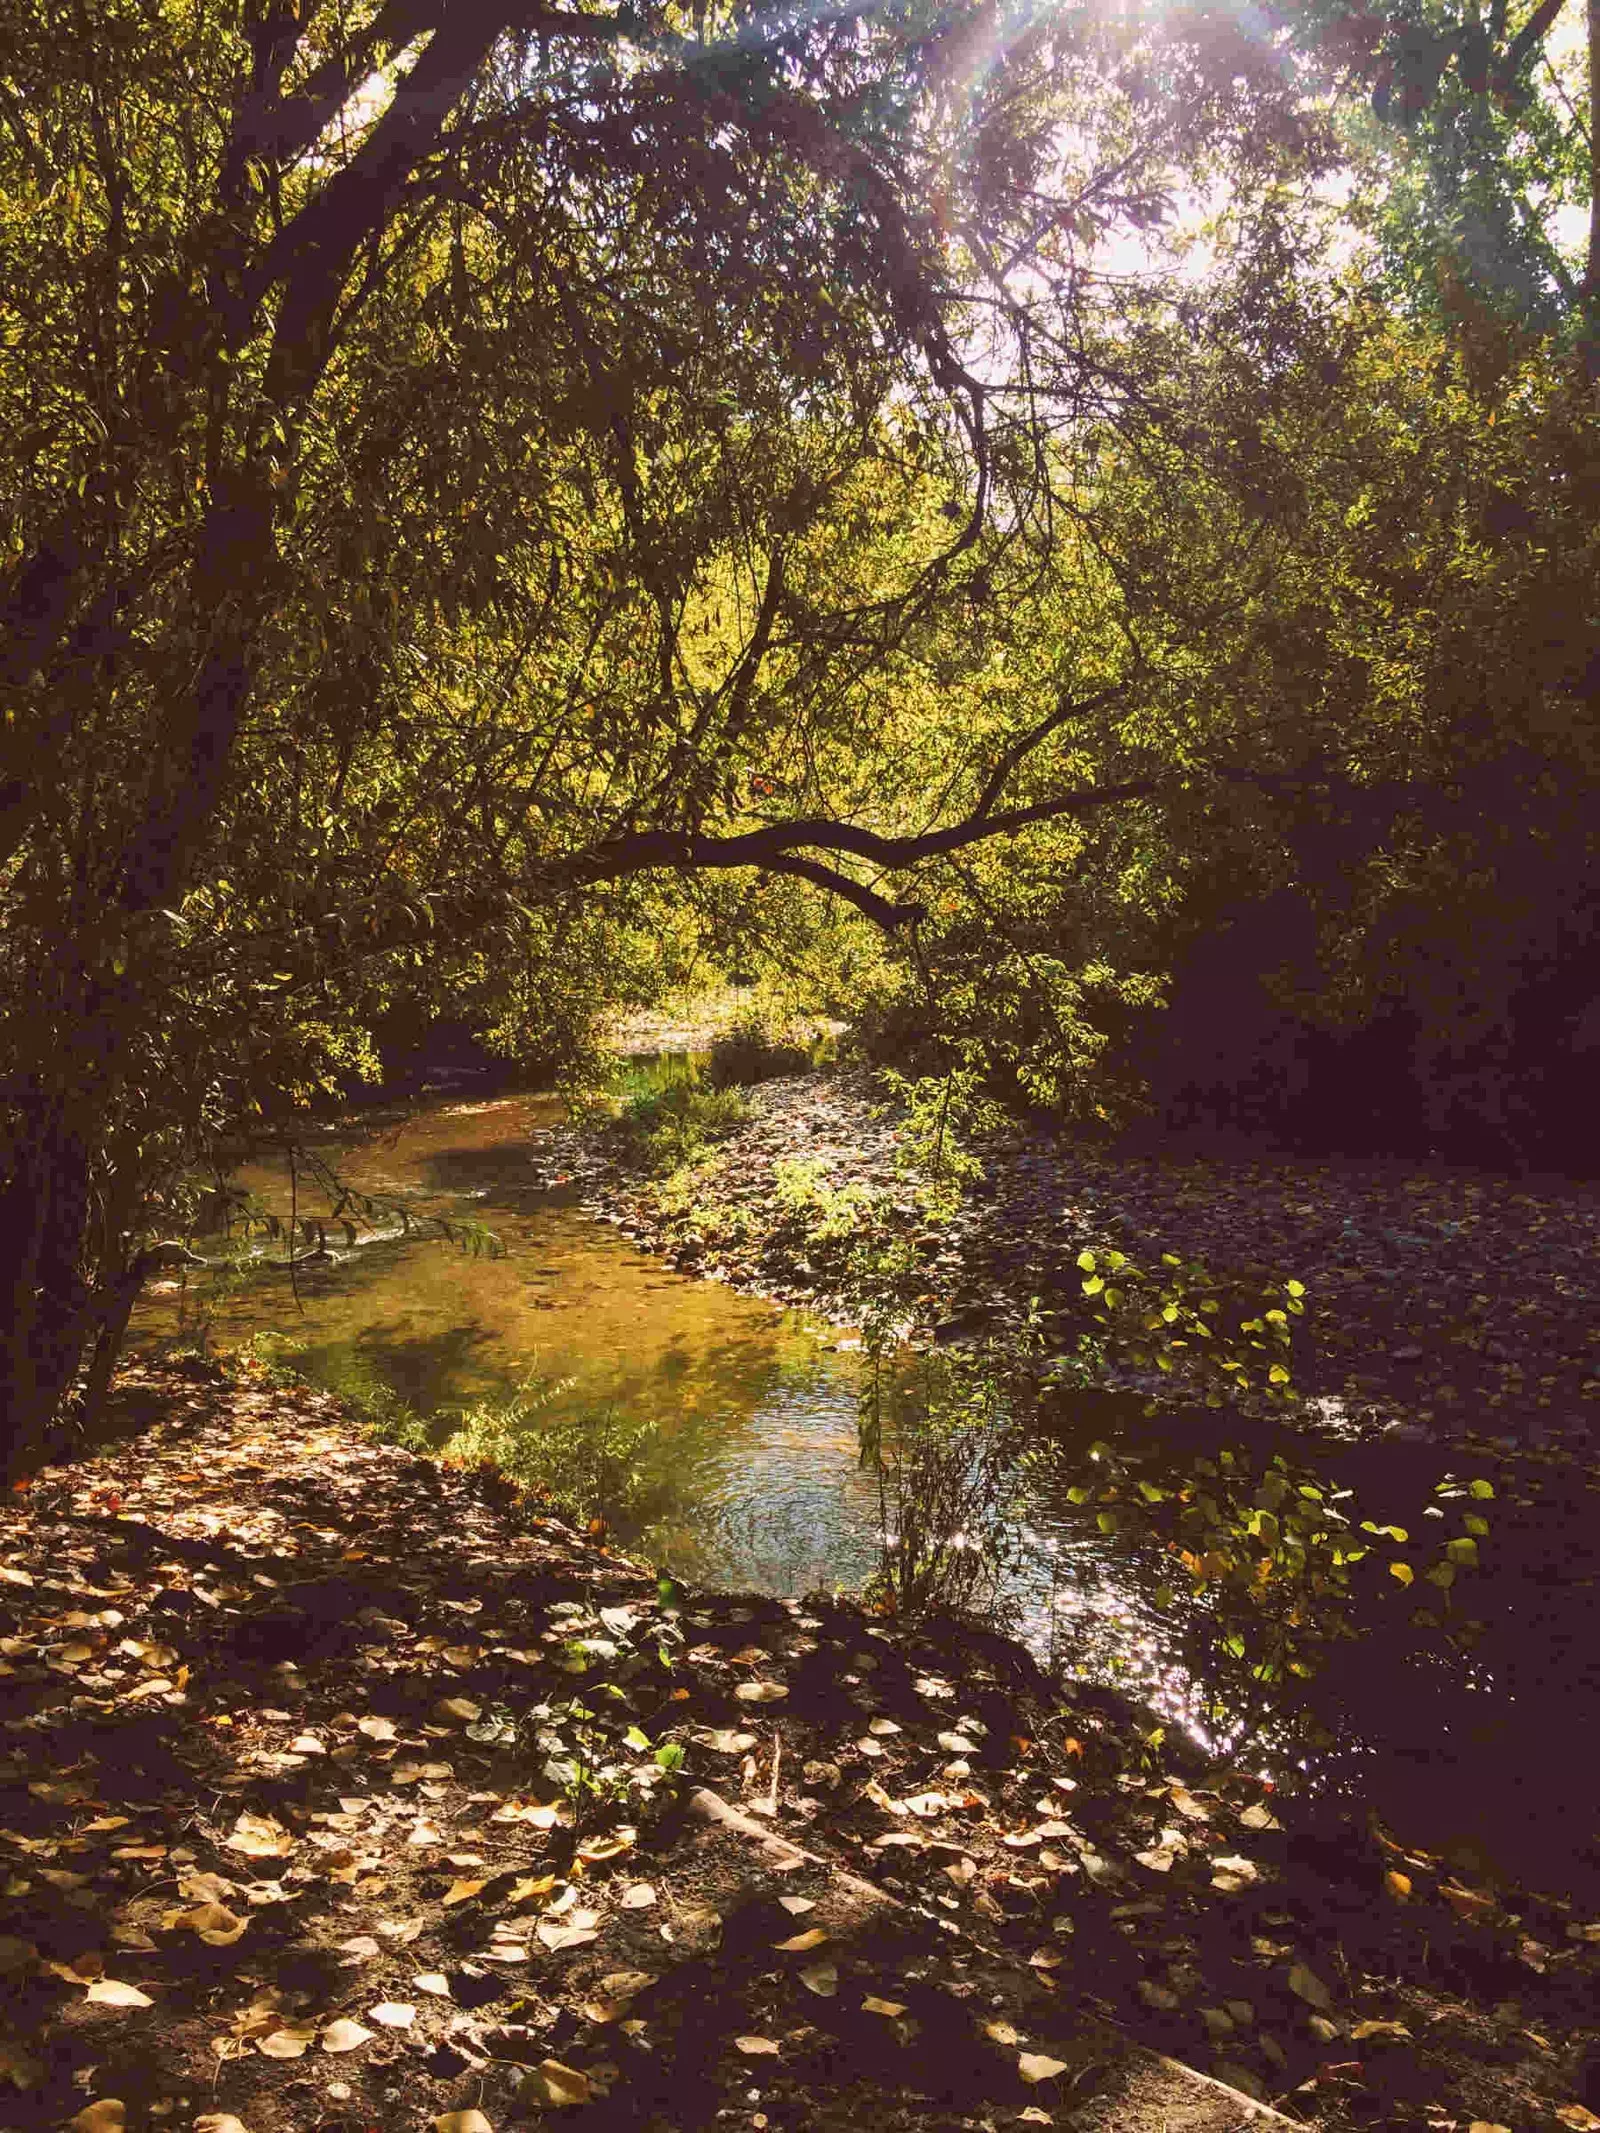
788 847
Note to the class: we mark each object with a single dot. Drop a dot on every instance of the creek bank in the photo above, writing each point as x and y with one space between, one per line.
1442 1301
345 1789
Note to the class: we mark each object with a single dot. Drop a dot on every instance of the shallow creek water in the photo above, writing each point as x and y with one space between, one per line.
751 1465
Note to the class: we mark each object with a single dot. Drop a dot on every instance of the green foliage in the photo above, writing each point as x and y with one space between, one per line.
663 1130
1268 1549
937 1114
590 1465
1227 1336
824 1214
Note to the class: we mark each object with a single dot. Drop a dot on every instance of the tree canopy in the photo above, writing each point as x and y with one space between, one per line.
497 490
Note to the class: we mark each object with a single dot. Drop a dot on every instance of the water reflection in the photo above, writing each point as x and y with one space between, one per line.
752 1477
753 1455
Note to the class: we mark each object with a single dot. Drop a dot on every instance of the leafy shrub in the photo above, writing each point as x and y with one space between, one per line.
662 1129
828 1214
592 1464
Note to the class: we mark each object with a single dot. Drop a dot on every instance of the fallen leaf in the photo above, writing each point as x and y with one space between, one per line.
378 1728
873 2005
1398 1885
754 2047
1001 2032
599 1849
109 1993
433 1981
464 1891
638 1898
344 2035
798 1905
529 1811
260 1837
820 1978
550 2083
1578 2116
882 1727
216 1925
287 2043
725 1741
109 2115
813 1937
528 1886
462 2122
557 1937
461 1710
1307 1986
1363 2030
220 2122
392 2014
1470 1904
761 1692
1037 2066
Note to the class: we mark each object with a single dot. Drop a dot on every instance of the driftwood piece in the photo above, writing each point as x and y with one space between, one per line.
784 1857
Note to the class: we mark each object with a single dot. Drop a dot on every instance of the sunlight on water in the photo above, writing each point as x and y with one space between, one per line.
751 1477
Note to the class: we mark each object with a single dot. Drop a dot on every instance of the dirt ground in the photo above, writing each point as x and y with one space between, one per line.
343 1790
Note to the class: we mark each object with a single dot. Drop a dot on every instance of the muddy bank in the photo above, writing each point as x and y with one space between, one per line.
346 1790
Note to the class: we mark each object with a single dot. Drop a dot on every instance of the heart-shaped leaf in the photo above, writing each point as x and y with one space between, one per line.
344 2035
110 1993
1039 2066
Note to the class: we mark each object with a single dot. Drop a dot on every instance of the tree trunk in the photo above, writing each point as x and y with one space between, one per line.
44 1219
1591 273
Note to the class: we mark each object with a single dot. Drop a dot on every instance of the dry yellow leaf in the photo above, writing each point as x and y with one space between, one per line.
761 1692
109 1993
873 2005
109 2115
753 2047
463 1891
260 1837
550 2083
216 1925
287 2043
462 2122
393 2014
1038 2066
344 2035
820 1978
813 1937
601 1848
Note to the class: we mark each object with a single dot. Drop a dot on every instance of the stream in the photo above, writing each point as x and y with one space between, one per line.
749 1476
